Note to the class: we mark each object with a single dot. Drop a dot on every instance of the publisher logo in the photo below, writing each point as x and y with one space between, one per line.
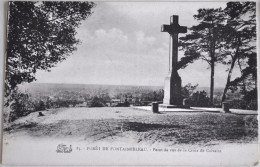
62 148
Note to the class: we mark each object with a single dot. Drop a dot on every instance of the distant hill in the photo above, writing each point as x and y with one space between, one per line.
48 89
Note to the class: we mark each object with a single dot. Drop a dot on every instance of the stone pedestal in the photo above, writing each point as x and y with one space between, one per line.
155 107
225 107
172 90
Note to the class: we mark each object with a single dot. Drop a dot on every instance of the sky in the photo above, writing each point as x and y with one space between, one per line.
122 44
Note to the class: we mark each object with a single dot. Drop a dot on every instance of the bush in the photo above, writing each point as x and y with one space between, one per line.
252 105
199 99
188 90
125 104
243 104
251 122
97 102
21 105
39 106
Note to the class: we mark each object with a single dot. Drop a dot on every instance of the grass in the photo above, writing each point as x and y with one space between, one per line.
172 128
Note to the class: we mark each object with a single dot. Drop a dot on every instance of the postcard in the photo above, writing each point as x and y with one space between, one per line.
116 83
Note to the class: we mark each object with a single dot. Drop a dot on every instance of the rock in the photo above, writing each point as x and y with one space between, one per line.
41 114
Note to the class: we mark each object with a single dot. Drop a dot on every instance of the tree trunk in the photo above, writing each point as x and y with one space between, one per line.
212 83
212 66
244 85
228 79
234 59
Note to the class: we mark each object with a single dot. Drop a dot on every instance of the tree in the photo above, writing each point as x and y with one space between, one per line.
40 34
240 37
248 78
188 90
204 42
247 83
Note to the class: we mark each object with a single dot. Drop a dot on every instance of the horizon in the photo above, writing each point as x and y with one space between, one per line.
24 84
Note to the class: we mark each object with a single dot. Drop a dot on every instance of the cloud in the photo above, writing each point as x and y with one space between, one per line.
141 39
122 44
116 40
112 35
102 39
112 56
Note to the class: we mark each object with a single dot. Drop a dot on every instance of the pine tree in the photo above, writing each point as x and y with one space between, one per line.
204 42
240 42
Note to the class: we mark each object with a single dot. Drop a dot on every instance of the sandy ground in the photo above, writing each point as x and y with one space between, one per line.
34 140
83 113
141 126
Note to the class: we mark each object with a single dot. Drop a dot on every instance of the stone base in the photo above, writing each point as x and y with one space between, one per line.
172 106
172 89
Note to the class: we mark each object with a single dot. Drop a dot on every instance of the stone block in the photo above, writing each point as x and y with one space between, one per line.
225 107
155 107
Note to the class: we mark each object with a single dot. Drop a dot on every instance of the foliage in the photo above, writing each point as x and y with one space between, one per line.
39 106
188 89
204 42
240 44
124 104
199 99
22 104
226 36
40 34
243 104
97 102
153 95
196 99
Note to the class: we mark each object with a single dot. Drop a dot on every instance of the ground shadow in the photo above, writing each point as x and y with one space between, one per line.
144 127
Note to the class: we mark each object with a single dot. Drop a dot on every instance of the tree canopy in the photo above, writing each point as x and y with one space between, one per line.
40 34
204 41
240 42
225 36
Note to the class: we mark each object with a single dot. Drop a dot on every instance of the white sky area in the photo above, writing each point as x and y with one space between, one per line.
122 44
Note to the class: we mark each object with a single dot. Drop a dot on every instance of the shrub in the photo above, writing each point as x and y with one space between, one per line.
252 105
243 104
39 105
97 102
125 104
251 122
199 99
21 105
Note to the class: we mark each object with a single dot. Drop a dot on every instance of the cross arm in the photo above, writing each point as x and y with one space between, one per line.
182 29
173 29
165 28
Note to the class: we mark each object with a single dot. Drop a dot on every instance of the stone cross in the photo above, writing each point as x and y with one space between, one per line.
174 29
172 88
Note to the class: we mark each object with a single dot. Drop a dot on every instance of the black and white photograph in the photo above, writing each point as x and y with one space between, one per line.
130 83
